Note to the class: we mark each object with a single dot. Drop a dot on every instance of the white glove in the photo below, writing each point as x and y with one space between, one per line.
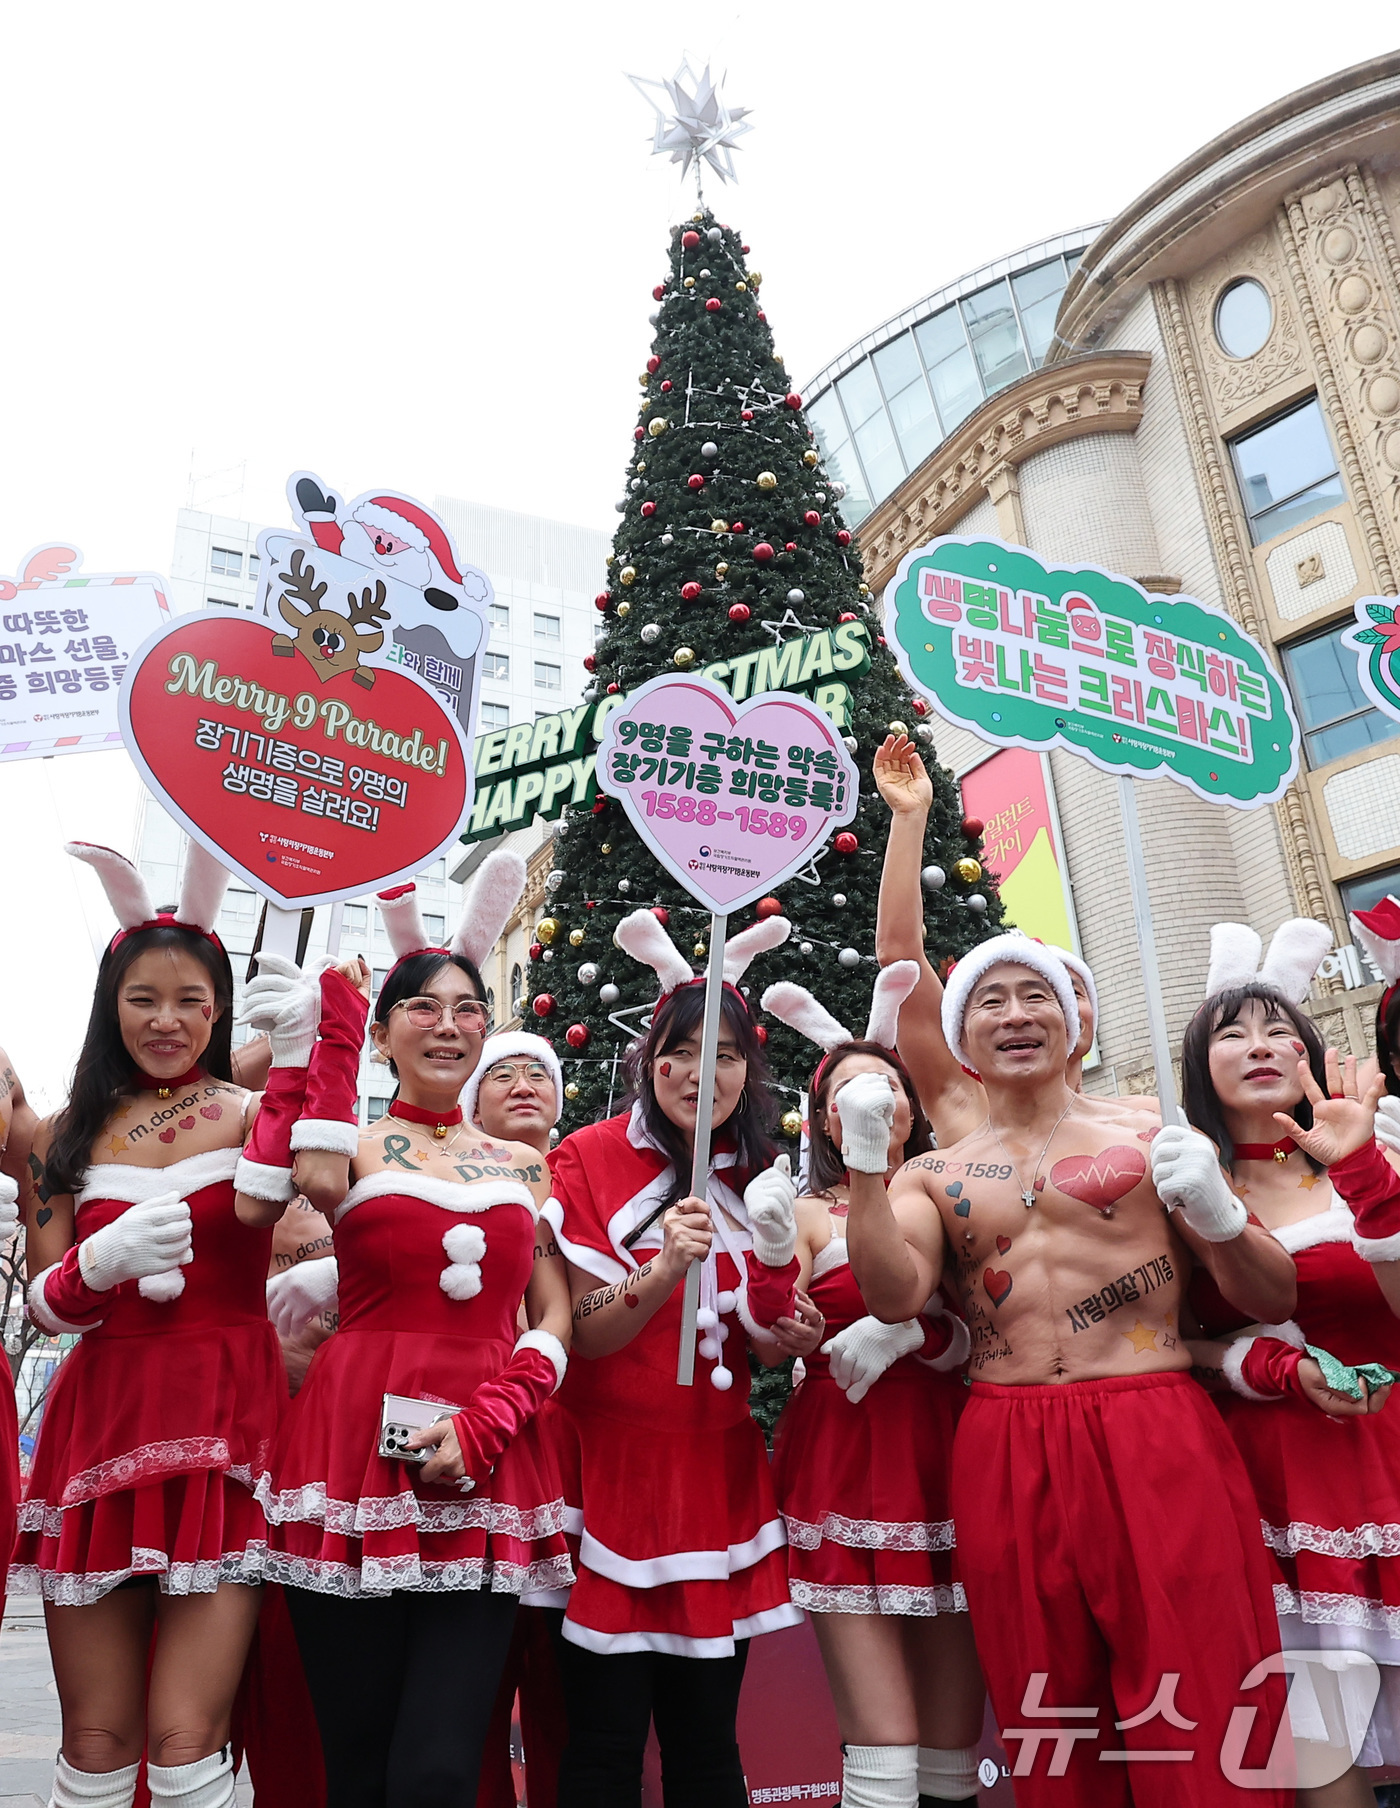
1186 1173
286 1004
147 1239
865 1106
1388 1123
9 1205
297 1295
863 1351
771 1202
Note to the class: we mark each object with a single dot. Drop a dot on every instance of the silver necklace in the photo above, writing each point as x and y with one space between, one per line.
1028 1192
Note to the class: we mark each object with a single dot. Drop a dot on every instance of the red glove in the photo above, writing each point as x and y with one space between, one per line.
331 1118
947 1341
771 1290
1264 1368
1371 1187
500 1407
62 1303
265 1167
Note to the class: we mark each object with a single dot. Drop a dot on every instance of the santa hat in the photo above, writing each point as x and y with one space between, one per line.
801 1011
642 936
501 1048
494 892
1378 931
959 985
411 523
202 890
1296 951
1077 964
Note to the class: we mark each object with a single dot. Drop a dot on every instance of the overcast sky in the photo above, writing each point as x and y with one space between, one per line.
414 245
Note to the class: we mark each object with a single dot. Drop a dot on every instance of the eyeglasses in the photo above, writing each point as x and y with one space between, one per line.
507 1073
468 1014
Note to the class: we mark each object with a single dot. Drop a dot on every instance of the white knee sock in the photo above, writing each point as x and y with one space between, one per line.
879 1776
92 1788
948 1776
207 1783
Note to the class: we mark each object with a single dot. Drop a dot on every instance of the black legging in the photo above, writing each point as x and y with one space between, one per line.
613 1700
403 1688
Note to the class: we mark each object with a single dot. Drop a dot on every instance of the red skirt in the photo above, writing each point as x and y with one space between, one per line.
865 1493
346 1521
149 1457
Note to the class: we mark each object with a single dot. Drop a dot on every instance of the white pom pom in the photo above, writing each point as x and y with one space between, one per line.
722 1379
705 1319
709 1348
461 1281
464 1243
721 1332
727 1301
162 1288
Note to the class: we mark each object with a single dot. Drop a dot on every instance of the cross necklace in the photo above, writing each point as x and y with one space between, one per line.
1028 1192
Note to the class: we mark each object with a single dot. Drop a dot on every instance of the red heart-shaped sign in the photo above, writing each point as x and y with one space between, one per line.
997 1283
1100 1179
312 789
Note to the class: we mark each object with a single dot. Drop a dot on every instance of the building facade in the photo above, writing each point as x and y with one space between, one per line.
1216 412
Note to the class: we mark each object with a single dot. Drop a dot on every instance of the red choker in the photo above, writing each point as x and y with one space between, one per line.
1279 1151
441 1121
163 1088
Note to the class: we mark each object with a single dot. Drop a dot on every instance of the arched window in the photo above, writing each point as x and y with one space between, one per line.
517 990
491 1003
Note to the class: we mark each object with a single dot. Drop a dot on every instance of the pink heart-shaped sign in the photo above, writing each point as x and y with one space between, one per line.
731 798
312 787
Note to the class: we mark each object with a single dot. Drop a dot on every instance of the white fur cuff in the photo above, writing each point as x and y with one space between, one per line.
327 1133
259 1180
43 1314
1377 1249
959 1345
548 1345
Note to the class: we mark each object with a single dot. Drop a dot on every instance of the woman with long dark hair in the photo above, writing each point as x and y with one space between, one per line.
140 1527
862 1461
403 1574
1294 1131
681 1557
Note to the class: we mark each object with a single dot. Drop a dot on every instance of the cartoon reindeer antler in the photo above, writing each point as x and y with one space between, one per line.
301 584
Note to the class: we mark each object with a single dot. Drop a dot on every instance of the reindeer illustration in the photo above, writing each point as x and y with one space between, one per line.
330 641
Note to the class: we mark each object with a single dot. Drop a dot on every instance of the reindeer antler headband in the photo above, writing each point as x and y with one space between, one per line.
1295 953
201 892
642 936
801 1011
493 894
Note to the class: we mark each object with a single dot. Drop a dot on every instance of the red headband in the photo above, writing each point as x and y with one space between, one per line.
166 919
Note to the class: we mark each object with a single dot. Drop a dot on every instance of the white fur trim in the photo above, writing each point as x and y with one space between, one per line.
162 1288
376 514
1234 956
1386 955
1332 1226
829 1257
741 950
548 1345
125 888
892 987
682 1566
403 922
1077 964
43 1314
494 892
260 1180
757 1332
592 1261
1297 949
465 1245
450 1195
801 1011
968 971
500 1048
959 1344
330 1134
641 936
1377 1249
133 1185
202 888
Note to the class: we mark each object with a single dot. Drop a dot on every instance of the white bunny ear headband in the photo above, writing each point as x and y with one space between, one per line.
201 891
799 1010
1296 951
493 895
642 936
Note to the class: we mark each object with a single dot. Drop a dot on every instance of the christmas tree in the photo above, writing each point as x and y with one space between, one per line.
731 547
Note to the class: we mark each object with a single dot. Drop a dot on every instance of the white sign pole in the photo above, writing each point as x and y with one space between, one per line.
281 929
704 1113
1147 947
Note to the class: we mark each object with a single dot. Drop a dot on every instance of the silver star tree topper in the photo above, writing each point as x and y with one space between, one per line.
692 122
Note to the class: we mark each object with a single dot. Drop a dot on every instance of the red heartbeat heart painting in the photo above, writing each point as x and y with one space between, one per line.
1099 1180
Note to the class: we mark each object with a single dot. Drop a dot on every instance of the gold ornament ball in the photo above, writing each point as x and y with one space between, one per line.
721 570
689 283
575 937
644 379
766 480
657 427
791 1123
865 590
683 657
742 287
897 728
606 848
699 951
628 575
719 527
969 871
624 607
571 1091
640 467
809 458
755 277
611 559
777 357
546 930
698 218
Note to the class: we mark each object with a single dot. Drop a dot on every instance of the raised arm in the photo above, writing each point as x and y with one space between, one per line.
894 1236
952 1100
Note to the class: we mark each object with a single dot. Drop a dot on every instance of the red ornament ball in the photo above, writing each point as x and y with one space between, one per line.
919 707
589 904
543 1005
739 613
846 615
690 591
762 316
760 1035
846 842
590 664
746 414
613 689
690 240
653 364
639 434
577 1035
763 552
713 305
662 915
744 249
696 481
972 827
736 527
601 601
536 950
599 805
666 387
793 401
813 518
648 509
790 546
843 537
659 292
768 907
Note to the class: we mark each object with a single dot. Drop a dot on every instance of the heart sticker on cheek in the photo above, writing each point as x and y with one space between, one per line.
665 1070
208 1011
1003 1244
42 1216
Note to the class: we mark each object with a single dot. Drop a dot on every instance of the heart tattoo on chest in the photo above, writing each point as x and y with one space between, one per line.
1103 1179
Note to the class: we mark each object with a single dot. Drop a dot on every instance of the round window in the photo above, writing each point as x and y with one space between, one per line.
1244 316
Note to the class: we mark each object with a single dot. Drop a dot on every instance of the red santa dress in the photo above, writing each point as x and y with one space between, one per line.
681 1545
159 1426
344 1519
864 1488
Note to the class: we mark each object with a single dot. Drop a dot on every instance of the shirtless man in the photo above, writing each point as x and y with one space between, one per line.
1108 1538
954 1101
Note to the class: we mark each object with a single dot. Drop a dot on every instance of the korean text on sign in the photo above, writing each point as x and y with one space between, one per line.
705 781
299 778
